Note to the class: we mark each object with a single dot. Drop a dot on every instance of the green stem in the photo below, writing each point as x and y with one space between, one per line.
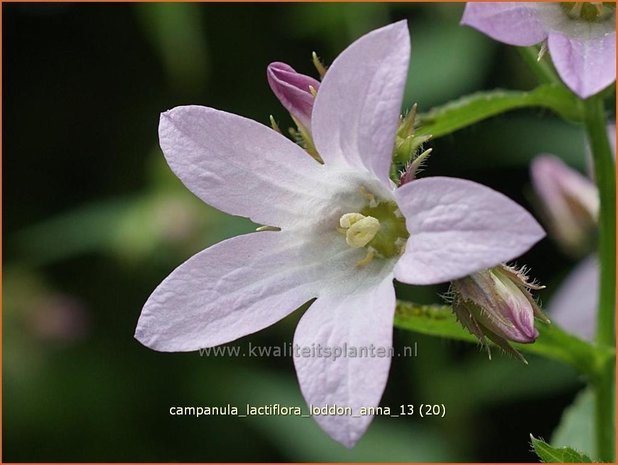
604 170
596 128
604 411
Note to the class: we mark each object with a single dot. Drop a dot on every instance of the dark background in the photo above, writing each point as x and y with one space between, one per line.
94 220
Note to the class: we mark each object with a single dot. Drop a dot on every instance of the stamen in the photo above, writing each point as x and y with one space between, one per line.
349 219
379 227
359 229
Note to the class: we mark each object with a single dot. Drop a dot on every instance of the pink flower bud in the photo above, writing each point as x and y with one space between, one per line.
569 200
496 304
293 91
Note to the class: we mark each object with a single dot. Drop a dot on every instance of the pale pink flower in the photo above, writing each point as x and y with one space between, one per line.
345 230
581 36
569 201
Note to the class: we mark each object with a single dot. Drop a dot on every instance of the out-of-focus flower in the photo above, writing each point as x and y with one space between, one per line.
295 91
496 304
569 202
581 36
337 232
574 305
60 318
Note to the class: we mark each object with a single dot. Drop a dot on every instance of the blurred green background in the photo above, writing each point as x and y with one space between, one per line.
94 220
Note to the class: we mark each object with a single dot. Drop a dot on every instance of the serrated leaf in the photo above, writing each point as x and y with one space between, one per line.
553 342
476 107
549 454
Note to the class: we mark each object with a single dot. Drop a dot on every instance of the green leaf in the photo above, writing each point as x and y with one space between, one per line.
576 427
549 454
553 342
482 105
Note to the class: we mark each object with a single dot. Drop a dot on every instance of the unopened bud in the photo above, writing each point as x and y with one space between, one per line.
412 168
407 143
295 91
496 305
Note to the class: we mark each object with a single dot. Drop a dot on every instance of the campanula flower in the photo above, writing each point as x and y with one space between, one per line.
581 36
337 232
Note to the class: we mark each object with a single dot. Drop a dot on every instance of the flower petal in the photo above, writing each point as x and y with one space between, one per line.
247 283
346 322
239 166
458 227
574 305
293 91
357 109
227 291
586 64
511 23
